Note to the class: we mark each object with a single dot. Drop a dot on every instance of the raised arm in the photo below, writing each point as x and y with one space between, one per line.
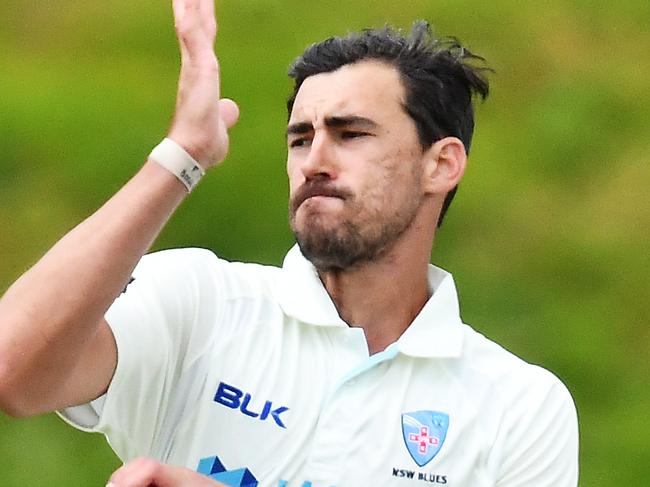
56 350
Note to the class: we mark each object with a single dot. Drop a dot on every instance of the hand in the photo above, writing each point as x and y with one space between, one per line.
145 472
202 120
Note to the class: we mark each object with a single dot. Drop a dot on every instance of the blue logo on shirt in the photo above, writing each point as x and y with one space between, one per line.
234 398
424 433
213 468
241 477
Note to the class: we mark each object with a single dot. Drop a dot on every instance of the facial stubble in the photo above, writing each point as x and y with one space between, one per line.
362 235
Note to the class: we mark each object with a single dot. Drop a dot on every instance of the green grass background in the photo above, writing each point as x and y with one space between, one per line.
548 238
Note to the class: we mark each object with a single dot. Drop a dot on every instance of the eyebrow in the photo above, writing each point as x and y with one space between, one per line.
333 122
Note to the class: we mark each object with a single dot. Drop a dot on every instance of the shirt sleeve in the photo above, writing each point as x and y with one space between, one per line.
539 446
162 323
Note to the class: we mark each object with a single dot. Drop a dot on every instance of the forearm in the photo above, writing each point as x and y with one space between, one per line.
55 349
53 310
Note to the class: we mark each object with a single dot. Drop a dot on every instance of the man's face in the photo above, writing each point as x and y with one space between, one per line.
354 165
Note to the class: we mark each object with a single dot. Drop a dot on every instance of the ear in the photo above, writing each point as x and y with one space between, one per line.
444 165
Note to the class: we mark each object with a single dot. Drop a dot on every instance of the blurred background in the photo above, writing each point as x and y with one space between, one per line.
547 238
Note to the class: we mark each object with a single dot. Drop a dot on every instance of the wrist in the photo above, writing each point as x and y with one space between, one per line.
179 162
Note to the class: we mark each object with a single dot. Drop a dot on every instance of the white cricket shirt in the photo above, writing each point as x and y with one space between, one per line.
246 373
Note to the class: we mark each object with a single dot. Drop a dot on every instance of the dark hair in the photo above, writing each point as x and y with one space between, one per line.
440 77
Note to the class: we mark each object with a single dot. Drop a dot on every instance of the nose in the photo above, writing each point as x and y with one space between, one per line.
320 161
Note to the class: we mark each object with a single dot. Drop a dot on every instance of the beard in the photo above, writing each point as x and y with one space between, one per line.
364 237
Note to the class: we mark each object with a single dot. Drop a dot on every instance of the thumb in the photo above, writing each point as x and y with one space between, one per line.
229 112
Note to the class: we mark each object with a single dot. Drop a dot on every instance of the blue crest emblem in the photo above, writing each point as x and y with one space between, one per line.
424 433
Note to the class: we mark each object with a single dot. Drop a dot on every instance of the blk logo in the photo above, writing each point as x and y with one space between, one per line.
235 398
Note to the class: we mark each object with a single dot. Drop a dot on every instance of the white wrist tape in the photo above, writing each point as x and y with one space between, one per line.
177 161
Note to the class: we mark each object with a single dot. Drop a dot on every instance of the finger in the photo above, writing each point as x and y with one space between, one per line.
187 20
229 112
138 473
169 476
183 11
209 19
178 6
145 472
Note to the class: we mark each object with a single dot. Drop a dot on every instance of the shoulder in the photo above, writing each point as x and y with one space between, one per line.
204 269
536 422
528 394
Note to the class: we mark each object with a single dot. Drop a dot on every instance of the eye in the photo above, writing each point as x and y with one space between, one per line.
301 142
352 134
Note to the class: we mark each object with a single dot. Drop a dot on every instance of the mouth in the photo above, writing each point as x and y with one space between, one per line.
316 191
321 196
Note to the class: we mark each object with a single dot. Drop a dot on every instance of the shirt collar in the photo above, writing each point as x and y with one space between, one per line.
435 332
302 294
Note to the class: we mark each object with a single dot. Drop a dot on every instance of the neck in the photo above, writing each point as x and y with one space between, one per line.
383 297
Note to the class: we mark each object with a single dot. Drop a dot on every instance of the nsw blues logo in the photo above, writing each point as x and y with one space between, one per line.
424 433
